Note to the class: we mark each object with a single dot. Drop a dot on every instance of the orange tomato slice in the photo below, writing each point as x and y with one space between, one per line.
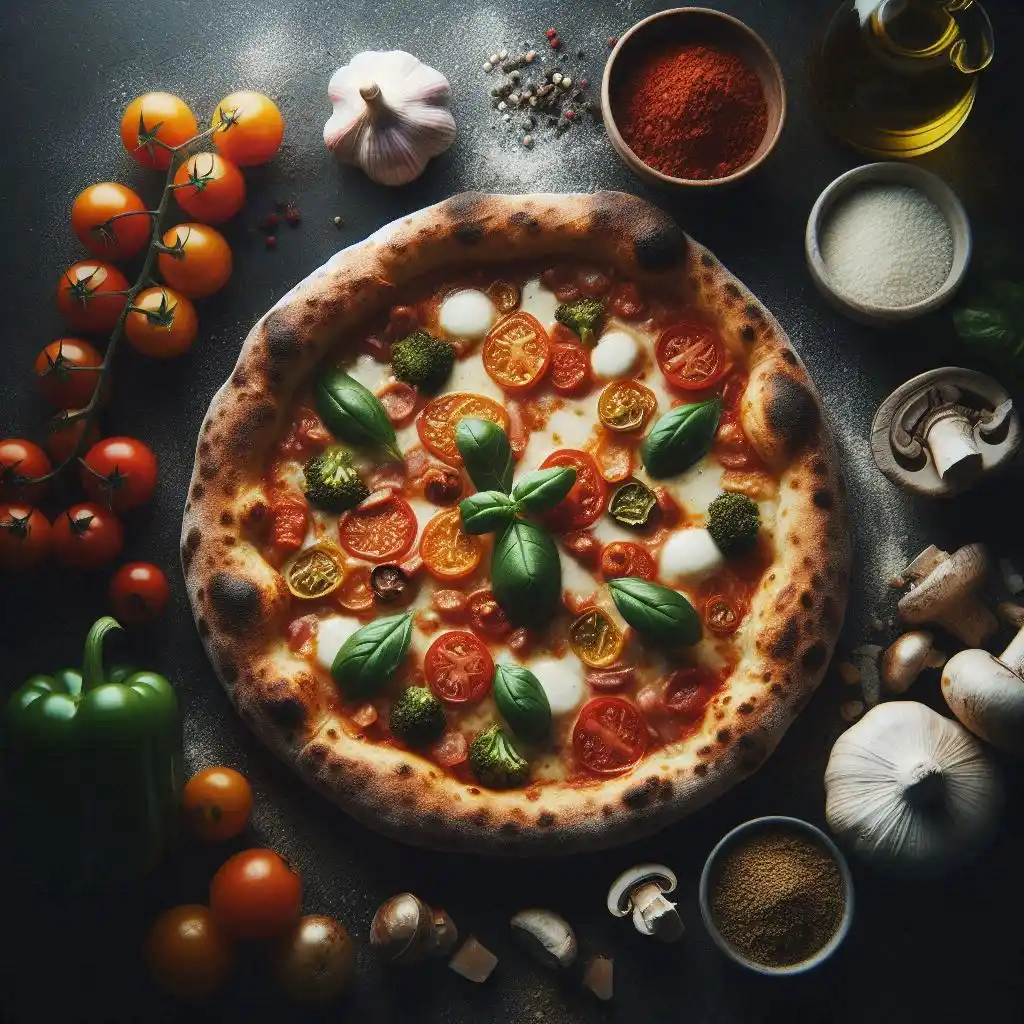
381 529
446 551
516 353
437 422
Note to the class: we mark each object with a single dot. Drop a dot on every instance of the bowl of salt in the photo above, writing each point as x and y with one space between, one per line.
888 242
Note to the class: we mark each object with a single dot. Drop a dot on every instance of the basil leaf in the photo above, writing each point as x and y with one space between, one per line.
543 488
655 611
372 655
681 437
522 701
632 504
486 512
487 454
526 573
353 413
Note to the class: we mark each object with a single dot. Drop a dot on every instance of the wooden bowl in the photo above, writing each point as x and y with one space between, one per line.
711 28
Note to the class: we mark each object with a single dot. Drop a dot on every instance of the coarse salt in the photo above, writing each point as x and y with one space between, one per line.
887 245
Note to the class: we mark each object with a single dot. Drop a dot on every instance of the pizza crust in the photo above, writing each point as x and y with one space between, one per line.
242 605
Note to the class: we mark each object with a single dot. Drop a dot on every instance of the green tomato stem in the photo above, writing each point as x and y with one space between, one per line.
93 674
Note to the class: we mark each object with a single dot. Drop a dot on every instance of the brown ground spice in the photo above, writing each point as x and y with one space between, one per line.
777 897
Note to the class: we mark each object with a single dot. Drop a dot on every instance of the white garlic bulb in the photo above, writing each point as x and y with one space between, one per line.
911 790
390 115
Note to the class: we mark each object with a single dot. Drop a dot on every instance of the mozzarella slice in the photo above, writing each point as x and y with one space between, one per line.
331 634
688 555
539 302
466 314
562 680
614 355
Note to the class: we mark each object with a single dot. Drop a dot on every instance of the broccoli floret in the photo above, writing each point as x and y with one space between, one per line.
584 316
332 482
422 360
495 761
417 716
733 522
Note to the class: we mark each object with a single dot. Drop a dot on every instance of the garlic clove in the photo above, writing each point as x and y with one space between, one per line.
907 657
987 697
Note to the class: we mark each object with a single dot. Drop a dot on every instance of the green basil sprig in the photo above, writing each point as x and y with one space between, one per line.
372 655
543 488
681 437
486 512
487 454
654 611
526 573
522 701
353 413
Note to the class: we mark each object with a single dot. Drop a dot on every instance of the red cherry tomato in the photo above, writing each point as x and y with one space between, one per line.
585 503
486 615
381 529
111 221
516 353
87 536
721 616
138 593
256 894
691 355
62 437
87 296
63 372
20 461
458 666
120 473
610 735
188 956
624 558
25 536
570 369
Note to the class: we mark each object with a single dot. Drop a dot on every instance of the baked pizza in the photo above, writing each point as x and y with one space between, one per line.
518 527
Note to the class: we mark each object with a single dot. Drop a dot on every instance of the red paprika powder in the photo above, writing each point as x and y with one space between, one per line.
691 111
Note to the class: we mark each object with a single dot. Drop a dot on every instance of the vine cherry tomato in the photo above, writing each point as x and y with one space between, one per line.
585 502
459 668
570 369
87 296
691 355
516 353
721 616
111 221
162 323
624 558
200 262
256 894
20 461
217 803
156 115
448 552
87 536
187 953
252 128
25 536
64 372
381 529
438 421
62 437
209 188
138 593
120 473
487 616
610 735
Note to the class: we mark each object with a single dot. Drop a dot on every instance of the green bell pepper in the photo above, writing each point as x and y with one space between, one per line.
95 760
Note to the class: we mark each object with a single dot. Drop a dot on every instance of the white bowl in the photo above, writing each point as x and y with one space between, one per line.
900 174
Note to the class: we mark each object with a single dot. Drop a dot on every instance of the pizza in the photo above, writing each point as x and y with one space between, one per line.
518 527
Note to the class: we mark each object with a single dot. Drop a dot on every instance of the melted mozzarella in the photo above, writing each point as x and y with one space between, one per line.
687 555
563 681
539 302
331 633
423 510
570 427
466 314
367 371
614 355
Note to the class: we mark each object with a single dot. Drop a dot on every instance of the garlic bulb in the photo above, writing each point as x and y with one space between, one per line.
390 115
911 790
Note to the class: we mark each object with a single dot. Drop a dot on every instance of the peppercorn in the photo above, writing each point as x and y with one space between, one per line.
269 223
338 222
271 241
611 41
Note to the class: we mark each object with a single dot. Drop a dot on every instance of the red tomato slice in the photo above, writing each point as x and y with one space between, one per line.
291 519
486 615
585 503
610 735
516 353
687 693
381 529
458 666
447 551
570 369
732 395
691 355
624 558
437 422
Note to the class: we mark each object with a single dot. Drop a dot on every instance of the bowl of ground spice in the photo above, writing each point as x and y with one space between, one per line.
692 97
776 896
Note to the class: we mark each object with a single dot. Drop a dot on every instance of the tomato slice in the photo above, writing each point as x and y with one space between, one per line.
458 666
625 301
584 504
381 529
486 615
291 519
610 735
315 572
687 693
626 406
691 355
721 616
437 422
624 558
356 591
570 369
448 552
516 353
595 639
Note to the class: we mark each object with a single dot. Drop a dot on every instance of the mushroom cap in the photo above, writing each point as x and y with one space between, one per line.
948 583
546 935
905 657
987 697
620 901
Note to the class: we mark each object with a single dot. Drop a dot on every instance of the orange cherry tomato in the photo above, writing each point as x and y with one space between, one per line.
256 894
62 437
25 536
381 529
721 616
614 460
252 128
439 419
209 188
21 461
111 221
691 355
162 323
610 735
570 369
156 115
624 558
585 502
356 591
516 353
217 803
200 263
119 473
448 552
87 536
63 374
86 299
138 593
187 953
458 667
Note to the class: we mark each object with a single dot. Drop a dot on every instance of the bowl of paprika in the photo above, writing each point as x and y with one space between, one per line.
692 97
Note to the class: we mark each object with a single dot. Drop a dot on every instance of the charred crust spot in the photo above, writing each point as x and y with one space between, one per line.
236 601
789 357
700 770
723 735
792 412
208 470
203 626
284 705
814 657
282 342
509 828
705 751
778 689
204 448
473 790
230 490
753 310
522 219
469 233
746 707
747 333
665 791
190 546
333 734
753 751
731 289
238 378
208 426
226 518
228 540
639 796
807 599
785 646
198 490
706 259
404 769
659 245
545 819
823 498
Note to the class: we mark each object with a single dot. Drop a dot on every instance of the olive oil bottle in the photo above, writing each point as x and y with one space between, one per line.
897 78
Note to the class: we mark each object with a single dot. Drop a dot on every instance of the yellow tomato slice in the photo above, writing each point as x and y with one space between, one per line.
595 639
516 353
626 405
315 572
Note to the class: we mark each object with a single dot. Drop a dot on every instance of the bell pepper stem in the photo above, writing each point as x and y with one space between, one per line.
93 674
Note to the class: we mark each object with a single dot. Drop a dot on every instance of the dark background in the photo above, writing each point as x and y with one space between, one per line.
919 951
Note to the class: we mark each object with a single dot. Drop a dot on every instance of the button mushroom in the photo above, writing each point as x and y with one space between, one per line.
405 930
546 936
946 593
907 657
641 890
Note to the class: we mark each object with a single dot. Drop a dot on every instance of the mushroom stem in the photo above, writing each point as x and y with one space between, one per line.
1013 656
951 442
972 622
373 99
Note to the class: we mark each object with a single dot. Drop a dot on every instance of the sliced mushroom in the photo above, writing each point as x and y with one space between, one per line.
907 657
597 977
546 936
405 930
474 961
641 890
